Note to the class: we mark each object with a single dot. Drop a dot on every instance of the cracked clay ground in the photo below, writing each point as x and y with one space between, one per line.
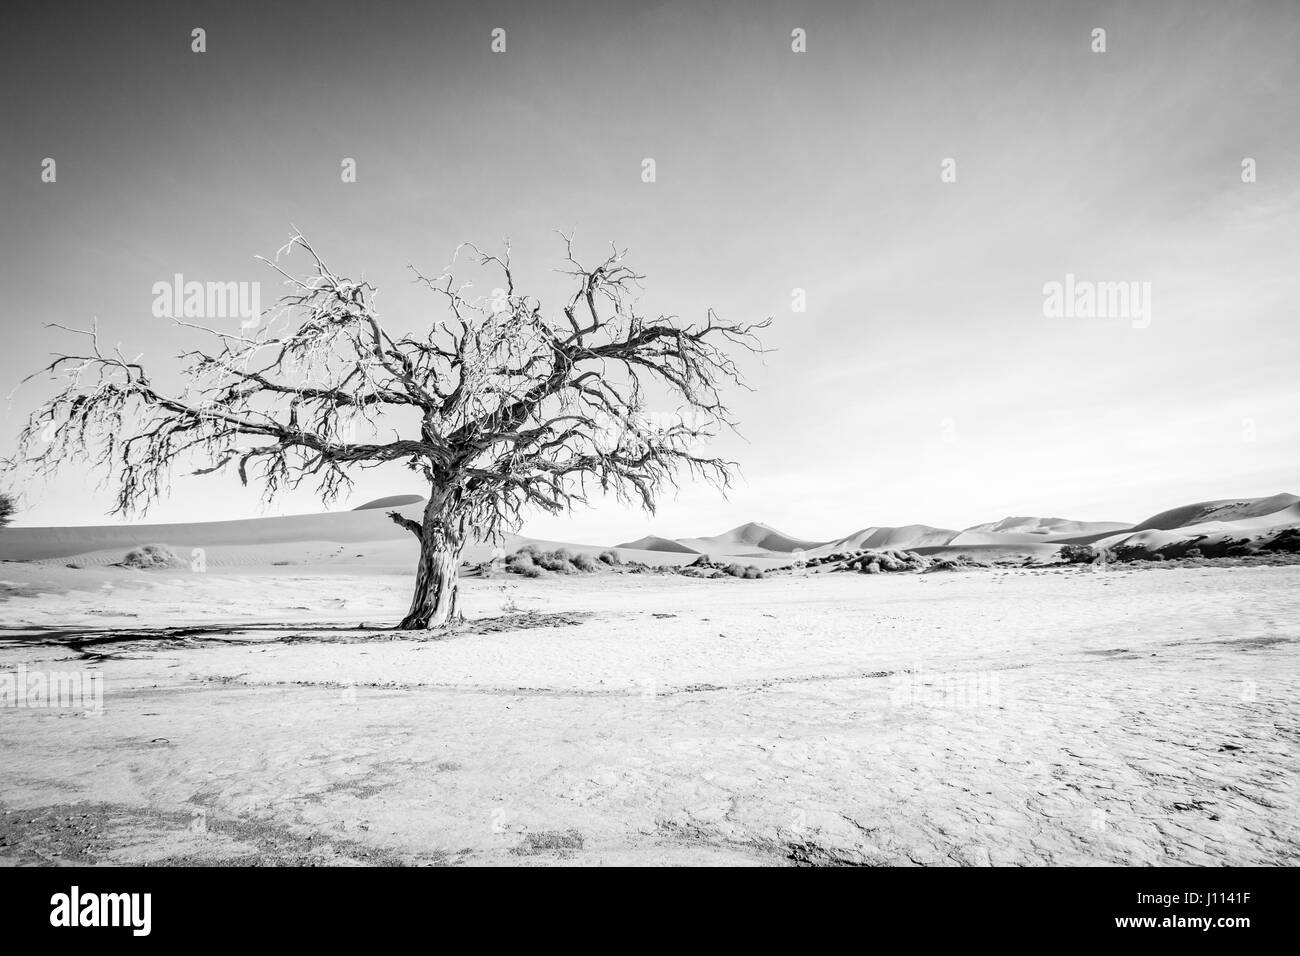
998 717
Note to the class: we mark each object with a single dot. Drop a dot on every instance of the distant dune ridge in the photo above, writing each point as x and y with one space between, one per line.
1045 526
365 535
1227 509
653 542
747 538
903 538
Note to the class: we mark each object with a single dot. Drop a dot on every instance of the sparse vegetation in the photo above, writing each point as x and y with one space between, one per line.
8 508
743 571
1287 540
585 563
151 557
531 562
1078 553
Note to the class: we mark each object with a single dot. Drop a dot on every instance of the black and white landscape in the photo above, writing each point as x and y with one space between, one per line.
383 380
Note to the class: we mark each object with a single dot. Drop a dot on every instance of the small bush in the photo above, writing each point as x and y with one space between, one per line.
531 562
1128 552
151 556
1288 540
520 559
610 557
1077 553
559 561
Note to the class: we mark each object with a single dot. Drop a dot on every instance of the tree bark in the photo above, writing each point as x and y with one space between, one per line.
437 577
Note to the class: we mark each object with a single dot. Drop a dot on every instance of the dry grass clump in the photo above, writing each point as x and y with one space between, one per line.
531 562
151 557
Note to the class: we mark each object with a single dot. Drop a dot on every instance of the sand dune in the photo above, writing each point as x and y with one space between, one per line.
751 538
363 537
1224 516
1227 509
366 536
27 544
1045 528
652 542
968 538
1211 532
906 537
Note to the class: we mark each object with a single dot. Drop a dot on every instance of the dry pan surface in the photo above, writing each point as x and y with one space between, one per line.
997 717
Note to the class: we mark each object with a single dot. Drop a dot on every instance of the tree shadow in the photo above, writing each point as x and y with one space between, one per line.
96 643
99 643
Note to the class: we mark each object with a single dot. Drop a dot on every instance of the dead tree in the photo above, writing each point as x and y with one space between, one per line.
498 406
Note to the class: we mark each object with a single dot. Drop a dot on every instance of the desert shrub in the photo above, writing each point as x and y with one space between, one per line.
743 571
1288 540
1077 553
1128 552
559 561
701 562
531 562
1239 551
874 562
1193 553
151 556
519 560
610 557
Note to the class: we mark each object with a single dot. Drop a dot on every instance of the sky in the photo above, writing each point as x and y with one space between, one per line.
923 381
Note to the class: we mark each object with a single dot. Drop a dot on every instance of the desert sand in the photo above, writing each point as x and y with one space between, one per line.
255 713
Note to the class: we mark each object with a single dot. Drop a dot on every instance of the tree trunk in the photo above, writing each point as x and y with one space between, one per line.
436 578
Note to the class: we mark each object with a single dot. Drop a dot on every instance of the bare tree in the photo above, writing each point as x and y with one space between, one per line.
497 406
